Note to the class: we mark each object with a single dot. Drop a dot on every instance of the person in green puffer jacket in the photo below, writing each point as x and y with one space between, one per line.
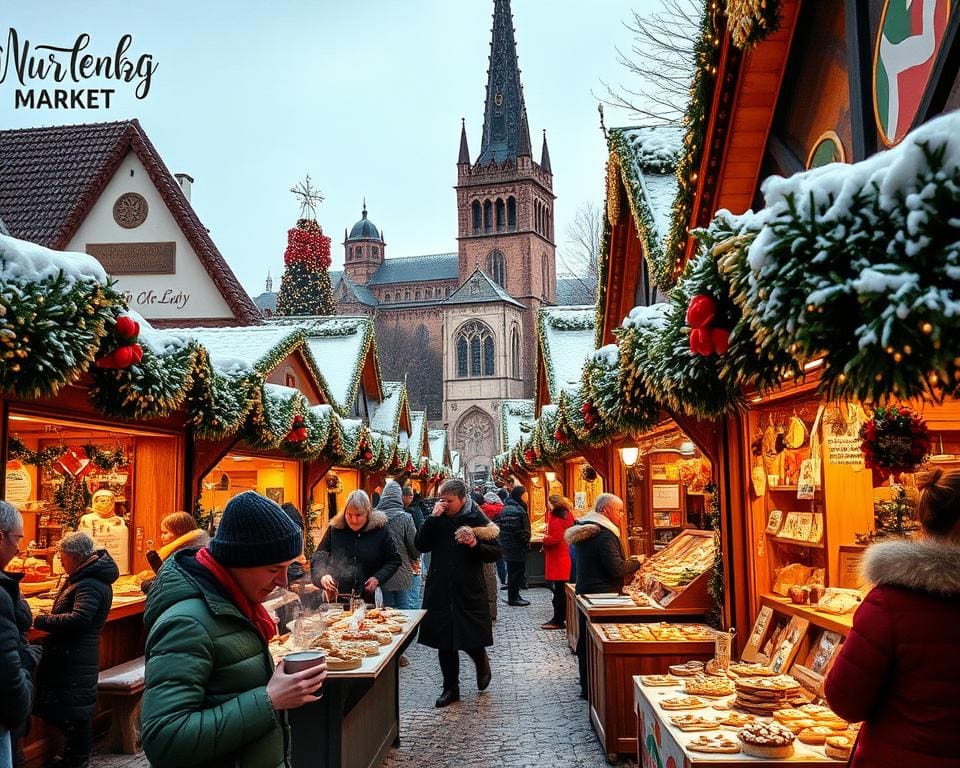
212 696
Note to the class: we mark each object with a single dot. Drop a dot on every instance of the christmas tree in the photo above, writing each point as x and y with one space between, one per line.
305 286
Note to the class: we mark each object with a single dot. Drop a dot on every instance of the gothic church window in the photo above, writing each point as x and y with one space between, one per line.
515 352
475 351
477 216
501 215
418 295
487 216
386 297
376 251
496 268
511 212
406 295
545 275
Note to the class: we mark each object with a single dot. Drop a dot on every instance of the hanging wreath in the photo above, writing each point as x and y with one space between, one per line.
895 440
126 349
334 483
588 473
298 430
45 457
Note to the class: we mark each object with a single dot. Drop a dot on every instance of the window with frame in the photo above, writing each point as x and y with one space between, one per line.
477 215
475 351
497 268
511 212
515 352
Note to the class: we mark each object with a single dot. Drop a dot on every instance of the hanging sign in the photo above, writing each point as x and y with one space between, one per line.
908 41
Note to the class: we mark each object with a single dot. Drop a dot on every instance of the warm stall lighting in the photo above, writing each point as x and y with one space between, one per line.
687 448
551 476
629 452
535 480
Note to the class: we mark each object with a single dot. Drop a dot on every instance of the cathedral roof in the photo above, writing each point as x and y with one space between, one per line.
364 229
266 302
576 291
417 269
350 290
480 289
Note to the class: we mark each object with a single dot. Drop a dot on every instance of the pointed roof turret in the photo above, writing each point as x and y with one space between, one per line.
504 112
524 148
464 149
545 155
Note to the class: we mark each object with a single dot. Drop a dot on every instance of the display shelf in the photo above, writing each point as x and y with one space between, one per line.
796 542
690 550
833 622
777 488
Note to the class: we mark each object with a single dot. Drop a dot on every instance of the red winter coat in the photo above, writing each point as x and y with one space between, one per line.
899 669
492 511
556 552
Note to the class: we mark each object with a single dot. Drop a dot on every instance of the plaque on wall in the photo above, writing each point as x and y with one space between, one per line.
135 258
130 210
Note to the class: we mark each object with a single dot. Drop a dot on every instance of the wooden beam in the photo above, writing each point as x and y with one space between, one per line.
313 472
860 74
4 441
707 434
204 455
597 458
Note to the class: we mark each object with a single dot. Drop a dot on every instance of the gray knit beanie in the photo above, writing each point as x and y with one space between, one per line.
254 531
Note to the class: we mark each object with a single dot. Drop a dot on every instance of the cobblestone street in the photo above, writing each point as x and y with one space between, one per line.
530 717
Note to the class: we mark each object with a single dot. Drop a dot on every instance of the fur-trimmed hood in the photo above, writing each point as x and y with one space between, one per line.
487 532
376 520
190 540
589 526
926 565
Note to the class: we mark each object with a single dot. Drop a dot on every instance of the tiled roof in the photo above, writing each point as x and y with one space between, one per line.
359 293
417 269
266 302
50 179
576 291
480 289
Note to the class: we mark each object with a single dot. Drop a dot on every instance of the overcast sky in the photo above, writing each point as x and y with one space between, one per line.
364 95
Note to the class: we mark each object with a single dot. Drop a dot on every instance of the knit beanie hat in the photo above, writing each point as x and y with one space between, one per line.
491 498
254 531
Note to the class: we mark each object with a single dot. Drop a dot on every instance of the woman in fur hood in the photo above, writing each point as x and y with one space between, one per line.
898 670
357 553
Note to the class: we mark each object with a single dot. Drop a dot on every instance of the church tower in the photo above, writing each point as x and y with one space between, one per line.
363 250
505 199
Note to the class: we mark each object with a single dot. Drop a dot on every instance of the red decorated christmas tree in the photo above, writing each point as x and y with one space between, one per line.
305 286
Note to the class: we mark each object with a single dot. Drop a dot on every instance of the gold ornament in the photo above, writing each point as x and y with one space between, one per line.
927 328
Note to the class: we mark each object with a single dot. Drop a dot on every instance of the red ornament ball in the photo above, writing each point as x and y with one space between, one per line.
123 357
701 311
720 338
127 327
700 342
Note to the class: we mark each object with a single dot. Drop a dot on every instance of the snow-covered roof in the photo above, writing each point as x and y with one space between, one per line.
418 424
455 464
567 339
387 415
23 262
239 351
438 444
514 416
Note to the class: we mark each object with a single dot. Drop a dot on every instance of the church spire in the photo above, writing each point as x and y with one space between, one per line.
545 155
504 114
464 149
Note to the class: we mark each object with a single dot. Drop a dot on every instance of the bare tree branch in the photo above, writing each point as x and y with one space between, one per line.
582 254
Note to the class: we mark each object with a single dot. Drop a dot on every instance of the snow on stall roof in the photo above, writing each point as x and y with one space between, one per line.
831 189
338 345
418 422
388 411
239 351
158 340
438 444
569 336
661 192
654 148
279 393
514 413
24 262
455 461
608 355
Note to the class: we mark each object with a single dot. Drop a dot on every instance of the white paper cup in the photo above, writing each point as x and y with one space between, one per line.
301 660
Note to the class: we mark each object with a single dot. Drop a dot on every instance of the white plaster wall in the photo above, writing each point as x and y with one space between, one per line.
188 294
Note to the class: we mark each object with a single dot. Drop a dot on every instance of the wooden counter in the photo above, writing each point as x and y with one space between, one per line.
597 608
358 719
121 639
664 743
612 665
573 616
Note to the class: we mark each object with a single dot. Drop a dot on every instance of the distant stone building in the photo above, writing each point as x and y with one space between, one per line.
460 327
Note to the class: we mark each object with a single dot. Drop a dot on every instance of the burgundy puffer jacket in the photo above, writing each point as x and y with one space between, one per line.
899 669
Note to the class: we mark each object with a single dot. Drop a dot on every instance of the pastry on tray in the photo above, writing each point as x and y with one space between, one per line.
737 719
694 723
658 680
839 747
769 740
701 685
688 669
716 743
683 702
779 683
816 734
744 669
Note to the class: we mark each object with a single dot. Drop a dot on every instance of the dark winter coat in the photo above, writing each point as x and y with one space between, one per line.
205 701
898 670
351 557
455 595
16 687
402 533
556 551
416 512
601 566
514 531
492 511
190 540
67 679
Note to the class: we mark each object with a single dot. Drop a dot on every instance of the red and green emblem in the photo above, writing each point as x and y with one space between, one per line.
911 33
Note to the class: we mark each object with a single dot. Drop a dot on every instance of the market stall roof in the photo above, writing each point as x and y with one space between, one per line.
439 451
567 337
516 421
456 468
389 414
418 432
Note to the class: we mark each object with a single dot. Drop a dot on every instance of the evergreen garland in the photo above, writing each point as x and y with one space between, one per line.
751 21
305 286
105 460
716 586
71 498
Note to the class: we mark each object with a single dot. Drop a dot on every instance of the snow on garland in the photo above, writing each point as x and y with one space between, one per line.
750 21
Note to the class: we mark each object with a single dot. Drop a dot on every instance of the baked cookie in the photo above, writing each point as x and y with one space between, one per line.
683 702
816 734
714 743
658 680
688 669
694 723
769 740
839 747
701 685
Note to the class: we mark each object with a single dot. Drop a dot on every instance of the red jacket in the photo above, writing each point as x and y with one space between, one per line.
492 511
899 668
556 552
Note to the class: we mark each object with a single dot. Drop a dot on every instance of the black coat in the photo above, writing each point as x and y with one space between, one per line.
601 566
16 687
514 531
351 557
455 594
67 681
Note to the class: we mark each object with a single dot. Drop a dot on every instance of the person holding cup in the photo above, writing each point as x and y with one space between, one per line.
212 696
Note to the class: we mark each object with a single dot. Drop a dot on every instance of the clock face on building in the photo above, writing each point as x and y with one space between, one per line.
908 41
498 99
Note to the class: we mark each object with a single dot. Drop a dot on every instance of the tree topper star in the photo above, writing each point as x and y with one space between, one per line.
309 197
